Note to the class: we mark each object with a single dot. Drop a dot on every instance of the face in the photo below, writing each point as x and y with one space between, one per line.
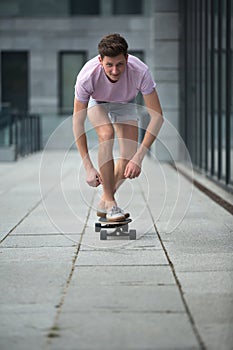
114 66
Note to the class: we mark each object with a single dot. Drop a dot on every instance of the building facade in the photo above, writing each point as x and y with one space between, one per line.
45 43
186 44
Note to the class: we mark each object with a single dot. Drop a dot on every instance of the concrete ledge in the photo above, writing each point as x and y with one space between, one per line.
8 153
212 190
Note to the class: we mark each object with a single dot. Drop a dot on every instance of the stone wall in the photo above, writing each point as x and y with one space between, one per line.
155 33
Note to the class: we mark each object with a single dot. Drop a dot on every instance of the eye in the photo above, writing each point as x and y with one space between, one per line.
109 65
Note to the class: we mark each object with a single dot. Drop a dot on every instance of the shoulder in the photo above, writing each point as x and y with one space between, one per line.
90 68
136 65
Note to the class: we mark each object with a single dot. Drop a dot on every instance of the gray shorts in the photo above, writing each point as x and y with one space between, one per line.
117 112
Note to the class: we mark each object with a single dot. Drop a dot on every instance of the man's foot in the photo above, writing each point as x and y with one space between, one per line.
101 212
127 215
115 214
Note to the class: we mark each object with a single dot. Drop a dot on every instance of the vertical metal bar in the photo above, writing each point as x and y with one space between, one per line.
39 134
212 80
188 81
16 135
21 136
10 122
28 119
191 83
183 69
195 109
206 80
36 133
24 135
200 84
186 35
196 86
219 84
31 134
228 91
203 83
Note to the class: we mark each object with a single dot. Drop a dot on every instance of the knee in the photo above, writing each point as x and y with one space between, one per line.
106 133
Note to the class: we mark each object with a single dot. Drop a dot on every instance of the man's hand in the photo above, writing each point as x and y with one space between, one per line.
93 178
133 169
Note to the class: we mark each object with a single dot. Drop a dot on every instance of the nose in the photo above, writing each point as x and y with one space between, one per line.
114 70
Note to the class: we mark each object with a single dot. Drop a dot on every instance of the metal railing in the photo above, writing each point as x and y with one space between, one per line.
20 130
206 86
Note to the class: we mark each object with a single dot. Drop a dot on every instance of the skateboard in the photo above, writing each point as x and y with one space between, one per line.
120 229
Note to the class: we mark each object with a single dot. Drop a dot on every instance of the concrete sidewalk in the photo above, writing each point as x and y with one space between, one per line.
63 288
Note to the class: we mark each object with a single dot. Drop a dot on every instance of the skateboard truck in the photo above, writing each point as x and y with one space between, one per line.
120 229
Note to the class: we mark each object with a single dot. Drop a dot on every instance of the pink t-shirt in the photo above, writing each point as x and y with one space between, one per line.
92 81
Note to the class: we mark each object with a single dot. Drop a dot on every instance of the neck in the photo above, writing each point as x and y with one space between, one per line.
112 81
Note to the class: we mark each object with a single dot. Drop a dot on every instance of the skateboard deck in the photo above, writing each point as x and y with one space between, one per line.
119 228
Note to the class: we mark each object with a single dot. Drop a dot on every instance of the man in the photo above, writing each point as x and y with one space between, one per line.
107 85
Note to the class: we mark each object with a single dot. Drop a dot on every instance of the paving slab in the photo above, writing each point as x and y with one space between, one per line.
37 241
32 288
24 339
45 254
136 330
211 291
201 262
33 283
110 288
116 294
120 275
201 245
25 326
126 298
119 257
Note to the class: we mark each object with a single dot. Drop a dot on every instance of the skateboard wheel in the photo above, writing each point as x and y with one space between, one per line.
132 234
103 234
125 228
97 227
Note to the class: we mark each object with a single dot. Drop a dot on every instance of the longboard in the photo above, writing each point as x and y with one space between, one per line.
120 228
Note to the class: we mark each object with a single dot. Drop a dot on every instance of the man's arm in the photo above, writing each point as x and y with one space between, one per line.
152 103
79 116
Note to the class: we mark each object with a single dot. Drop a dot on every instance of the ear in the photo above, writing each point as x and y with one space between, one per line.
100 60
126 57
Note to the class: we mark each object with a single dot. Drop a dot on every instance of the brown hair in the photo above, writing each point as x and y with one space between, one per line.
112 45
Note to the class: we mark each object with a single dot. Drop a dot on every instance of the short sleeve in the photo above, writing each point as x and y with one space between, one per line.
82 90
147 85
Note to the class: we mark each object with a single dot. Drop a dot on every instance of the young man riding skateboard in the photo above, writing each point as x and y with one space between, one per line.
105 89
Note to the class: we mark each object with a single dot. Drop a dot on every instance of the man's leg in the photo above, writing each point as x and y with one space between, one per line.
99 119
127 134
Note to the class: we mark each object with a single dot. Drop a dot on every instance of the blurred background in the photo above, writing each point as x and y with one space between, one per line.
187 45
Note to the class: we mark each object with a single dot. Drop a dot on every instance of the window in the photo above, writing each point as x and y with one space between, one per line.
127 7
70 63
14 72
138 53
84 8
